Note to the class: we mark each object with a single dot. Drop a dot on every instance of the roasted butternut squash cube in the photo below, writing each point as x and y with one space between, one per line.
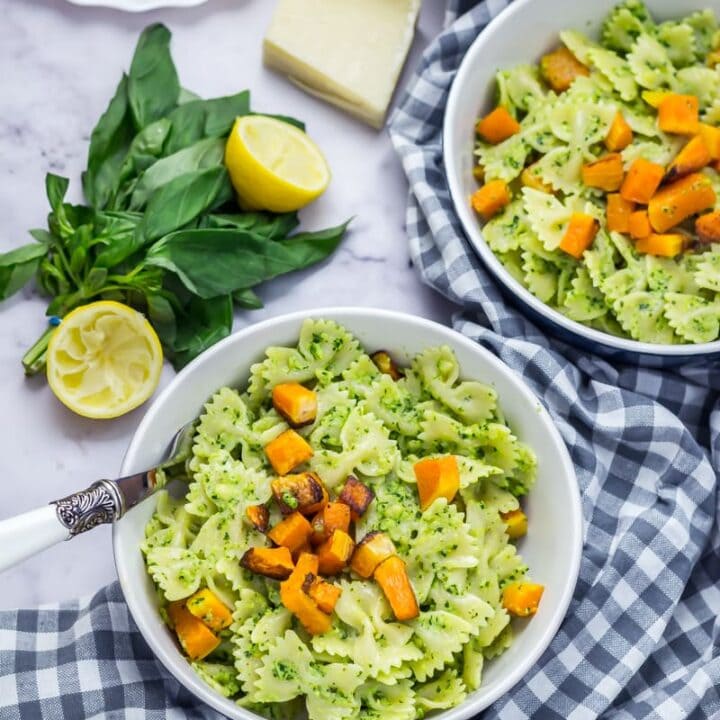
492 197
679 200
497 126
522 598
707 227
334 554
663 245
679 114
579 235
274 563
530 178
618 213
356 495
639 225
298 602
516 523
334 516
325 594
386 365
295 403
208 607
194 636
437 477
303 492
560 68
711 137
287 451
642 180
374 548
258 516
392 577
292 533
694 156
605 173
619 135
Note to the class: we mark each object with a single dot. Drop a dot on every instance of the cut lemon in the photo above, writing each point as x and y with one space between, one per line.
104 360
274 165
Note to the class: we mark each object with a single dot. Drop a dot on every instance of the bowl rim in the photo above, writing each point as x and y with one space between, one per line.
470 706
473 231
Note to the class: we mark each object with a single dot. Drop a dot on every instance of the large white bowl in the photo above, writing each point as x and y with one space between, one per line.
523 33
552 548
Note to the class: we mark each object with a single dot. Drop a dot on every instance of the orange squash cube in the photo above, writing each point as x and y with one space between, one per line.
618 212
516 523
497 126
522 598
194 636
295 403
679 200
206 606
679 114
580 233
605 173
642 180
287 451
437 477
293 532
492 197
639 225
391 575
334 516
668 245
334 554
619 135
374 548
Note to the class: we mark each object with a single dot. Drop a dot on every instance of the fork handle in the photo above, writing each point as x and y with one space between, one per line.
28 534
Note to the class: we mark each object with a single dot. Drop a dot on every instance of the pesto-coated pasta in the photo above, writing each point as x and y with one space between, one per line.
368 665
608 283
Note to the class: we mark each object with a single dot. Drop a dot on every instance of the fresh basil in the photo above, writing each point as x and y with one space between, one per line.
161 230
153 87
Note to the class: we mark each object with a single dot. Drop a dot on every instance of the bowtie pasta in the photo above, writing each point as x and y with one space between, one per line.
600 176
415 468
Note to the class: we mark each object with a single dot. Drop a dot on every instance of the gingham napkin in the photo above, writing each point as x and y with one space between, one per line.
641 637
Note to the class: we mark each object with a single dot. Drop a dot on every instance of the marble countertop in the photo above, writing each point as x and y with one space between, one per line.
61 65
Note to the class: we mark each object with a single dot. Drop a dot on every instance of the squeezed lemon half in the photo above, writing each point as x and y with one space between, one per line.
274 165
104 360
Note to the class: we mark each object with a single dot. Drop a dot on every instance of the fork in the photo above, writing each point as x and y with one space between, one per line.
105 501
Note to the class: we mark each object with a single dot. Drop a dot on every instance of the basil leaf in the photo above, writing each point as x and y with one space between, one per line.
18 266
187 96
270 226
204 323
109 144
153 86
247 299
56 188
217 261
43 236
148 143
181 201
204 154
95 280
200 119
162 317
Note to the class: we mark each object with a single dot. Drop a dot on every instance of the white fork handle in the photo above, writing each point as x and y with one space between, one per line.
28 534
25 535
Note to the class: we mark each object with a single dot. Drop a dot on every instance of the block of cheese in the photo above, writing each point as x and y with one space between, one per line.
348 52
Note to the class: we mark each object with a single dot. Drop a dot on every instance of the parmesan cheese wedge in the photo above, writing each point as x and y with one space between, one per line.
347 52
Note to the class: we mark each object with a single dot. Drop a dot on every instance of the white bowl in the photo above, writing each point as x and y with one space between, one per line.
523 33
551 549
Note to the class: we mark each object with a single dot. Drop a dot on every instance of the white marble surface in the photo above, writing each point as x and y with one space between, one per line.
60 66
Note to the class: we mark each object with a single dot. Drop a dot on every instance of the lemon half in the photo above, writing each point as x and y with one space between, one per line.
274 165
104 360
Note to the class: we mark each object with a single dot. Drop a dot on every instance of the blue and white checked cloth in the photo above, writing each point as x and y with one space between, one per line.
642 636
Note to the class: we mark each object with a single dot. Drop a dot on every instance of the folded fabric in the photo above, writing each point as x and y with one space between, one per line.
641 637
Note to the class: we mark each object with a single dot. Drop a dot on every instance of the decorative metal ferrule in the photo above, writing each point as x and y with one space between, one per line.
84 510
